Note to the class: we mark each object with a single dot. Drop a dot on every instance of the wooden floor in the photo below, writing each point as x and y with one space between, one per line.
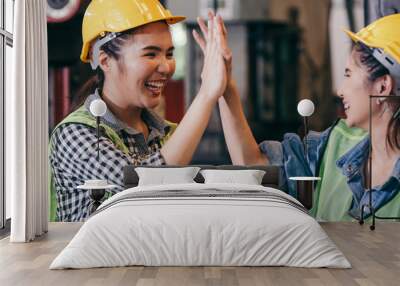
375 257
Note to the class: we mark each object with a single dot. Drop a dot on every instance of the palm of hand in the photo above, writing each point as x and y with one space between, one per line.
217 61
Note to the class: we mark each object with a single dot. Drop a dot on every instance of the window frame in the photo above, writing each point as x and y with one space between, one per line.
6 39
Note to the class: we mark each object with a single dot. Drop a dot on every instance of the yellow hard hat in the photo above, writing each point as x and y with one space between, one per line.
383 38
114 16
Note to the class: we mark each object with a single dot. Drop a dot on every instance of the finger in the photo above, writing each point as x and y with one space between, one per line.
221 24
218 21
227 54
211 23
224 27
221 30
210 35
210 14
202 26
219 33
199 40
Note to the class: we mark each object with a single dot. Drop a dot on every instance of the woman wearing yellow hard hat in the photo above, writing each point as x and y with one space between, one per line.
339 155
129 45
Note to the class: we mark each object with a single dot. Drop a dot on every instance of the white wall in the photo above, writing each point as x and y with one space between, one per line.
339 41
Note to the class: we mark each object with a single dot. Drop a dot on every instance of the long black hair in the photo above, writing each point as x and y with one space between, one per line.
112 49
376 70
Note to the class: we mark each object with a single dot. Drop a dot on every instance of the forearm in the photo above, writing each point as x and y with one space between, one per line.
179 149
241 143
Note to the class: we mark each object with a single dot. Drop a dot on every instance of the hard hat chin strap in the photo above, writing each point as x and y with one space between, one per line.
391 64
397 114
94 61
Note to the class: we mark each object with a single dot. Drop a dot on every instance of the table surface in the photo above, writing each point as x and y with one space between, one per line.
374 255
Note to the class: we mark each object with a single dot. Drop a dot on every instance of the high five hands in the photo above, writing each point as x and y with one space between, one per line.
217 69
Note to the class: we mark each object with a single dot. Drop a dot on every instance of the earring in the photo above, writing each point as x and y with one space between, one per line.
379 101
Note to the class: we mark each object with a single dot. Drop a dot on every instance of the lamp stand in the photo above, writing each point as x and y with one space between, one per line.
98 137
96 197
305 135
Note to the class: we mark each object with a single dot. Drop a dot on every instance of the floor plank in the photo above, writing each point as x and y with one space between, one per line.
374 255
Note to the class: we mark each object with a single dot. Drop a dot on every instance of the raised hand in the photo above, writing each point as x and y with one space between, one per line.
214 74
224 47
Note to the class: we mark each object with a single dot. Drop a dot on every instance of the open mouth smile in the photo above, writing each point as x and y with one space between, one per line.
155 86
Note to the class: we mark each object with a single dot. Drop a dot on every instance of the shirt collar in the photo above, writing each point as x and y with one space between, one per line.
157 126
354 159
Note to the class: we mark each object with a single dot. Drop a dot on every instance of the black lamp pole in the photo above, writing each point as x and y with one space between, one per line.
305 135
98 137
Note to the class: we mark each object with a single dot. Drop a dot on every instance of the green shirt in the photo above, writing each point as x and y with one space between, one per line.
333 197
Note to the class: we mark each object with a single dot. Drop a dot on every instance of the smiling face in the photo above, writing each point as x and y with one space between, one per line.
363 76
354 91
144 66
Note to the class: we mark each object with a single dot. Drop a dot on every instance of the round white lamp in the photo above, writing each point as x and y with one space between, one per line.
98 108
305 108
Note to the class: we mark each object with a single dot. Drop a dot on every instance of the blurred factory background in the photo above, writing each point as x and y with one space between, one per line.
283 51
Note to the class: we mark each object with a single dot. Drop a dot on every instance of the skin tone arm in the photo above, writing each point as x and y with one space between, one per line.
241 143
179 149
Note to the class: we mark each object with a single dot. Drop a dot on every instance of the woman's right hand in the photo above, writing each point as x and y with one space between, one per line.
214 74
201 41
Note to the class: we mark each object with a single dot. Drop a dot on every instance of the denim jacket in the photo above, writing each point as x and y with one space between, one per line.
352 164
289 155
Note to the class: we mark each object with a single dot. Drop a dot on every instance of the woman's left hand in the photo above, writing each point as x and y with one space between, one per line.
224 48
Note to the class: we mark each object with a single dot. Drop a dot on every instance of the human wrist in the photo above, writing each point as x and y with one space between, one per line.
231 90
207 97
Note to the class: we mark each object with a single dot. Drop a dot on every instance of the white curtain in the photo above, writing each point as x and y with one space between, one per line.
27 123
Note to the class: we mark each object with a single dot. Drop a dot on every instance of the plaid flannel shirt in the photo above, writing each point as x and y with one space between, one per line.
74 158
